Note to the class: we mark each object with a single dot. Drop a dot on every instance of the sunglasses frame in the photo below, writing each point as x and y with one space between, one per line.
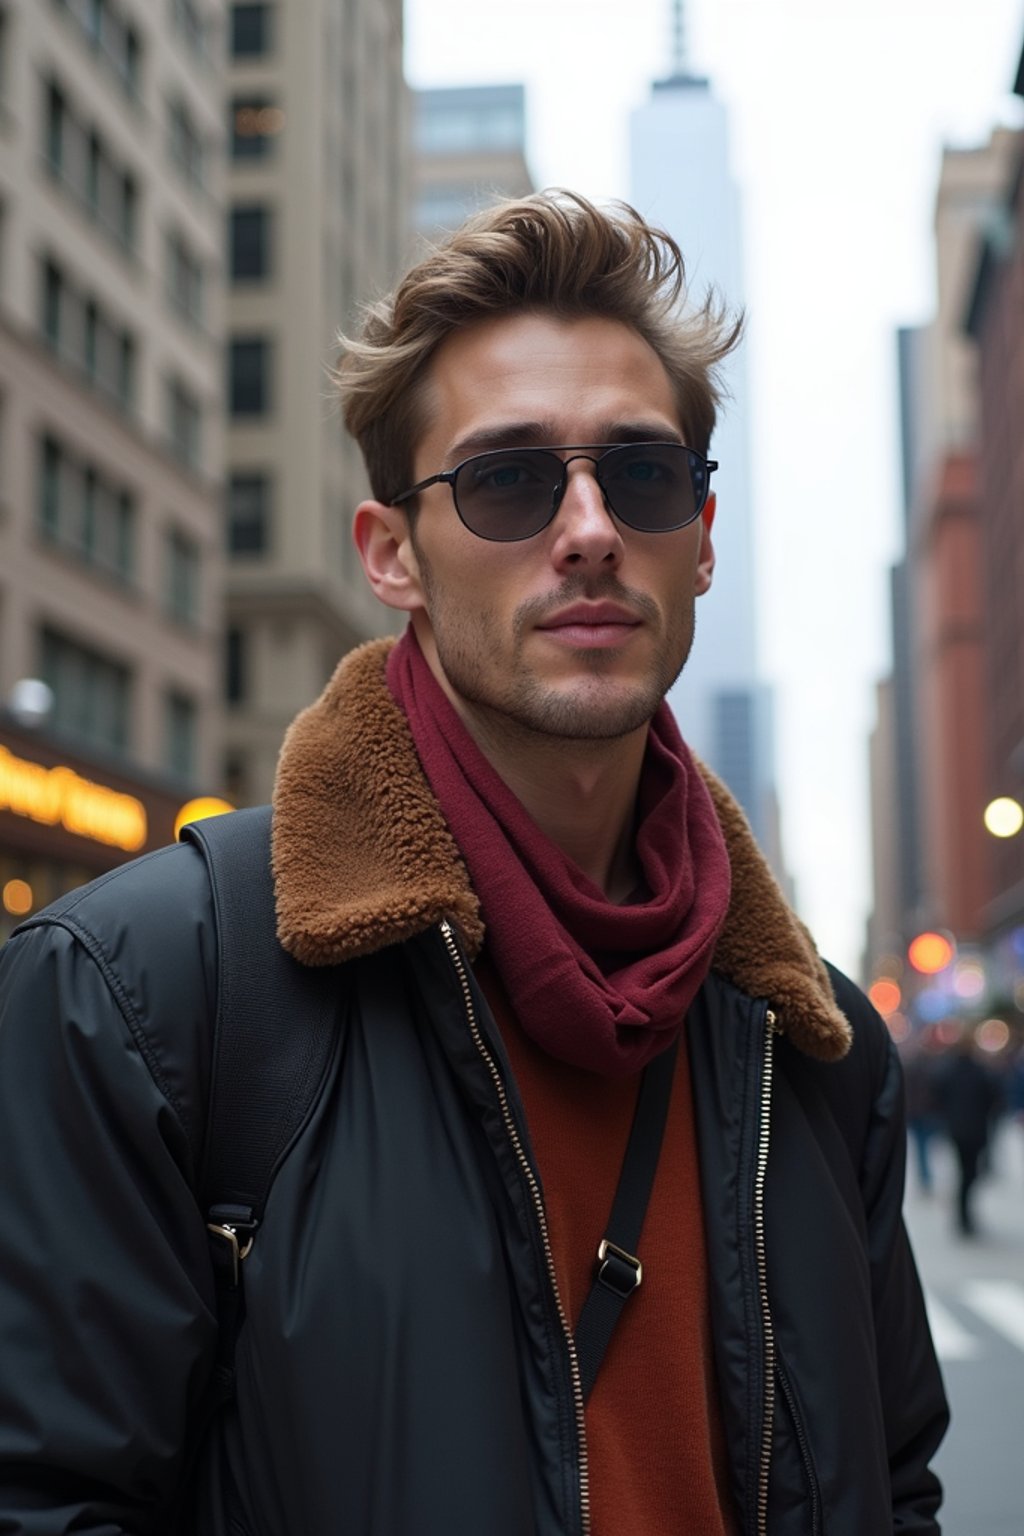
576 451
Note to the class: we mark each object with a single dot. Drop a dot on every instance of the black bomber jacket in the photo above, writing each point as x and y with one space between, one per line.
403 1367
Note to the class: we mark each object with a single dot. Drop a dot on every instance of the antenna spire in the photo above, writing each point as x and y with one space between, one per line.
679 62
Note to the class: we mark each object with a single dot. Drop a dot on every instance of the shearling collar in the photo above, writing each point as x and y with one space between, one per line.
363 858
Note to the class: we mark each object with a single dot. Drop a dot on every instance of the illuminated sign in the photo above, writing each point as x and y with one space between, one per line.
61 797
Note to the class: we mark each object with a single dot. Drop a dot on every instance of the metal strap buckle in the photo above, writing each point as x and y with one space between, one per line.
620 1271
239 1251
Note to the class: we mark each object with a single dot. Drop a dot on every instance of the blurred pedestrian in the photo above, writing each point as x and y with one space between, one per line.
919 1065
967 1094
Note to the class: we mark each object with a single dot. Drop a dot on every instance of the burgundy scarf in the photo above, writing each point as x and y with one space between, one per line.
602 986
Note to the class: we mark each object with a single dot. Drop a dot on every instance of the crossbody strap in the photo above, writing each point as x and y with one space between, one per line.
619 1271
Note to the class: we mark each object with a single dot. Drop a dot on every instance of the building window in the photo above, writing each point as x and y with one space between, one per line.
82 333
91 693
235 680
181 590
248 513
56 127
184 423
185 143
83 511
49 488
249 242
236 777
52 286
77 155
250 31
255 123
249 376
180 717
184 279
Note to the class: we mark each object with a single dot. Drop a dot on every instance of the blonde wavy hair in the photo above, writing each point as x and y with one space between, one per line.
555 252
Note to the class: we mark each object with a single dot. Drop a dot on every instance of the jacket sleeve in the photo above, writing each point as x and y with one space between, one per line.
107 1325
913 1398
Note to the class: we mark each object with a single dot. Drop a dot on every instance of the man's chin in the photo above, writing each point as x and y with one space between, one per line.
602 712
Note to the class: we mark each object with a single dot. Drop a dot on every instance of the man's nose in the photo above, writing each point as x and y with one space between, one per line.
586 533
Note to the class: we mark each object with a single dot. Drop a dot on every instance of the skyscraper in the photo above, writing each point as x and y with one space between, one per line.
469 146
681 179
111 432
317 186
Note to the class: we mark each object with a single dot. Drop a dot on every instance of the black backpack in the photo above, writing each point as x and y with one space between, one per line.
272 1044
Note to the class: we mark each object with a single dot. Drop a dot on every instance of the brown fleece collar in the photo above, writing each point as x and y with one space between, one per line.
363 858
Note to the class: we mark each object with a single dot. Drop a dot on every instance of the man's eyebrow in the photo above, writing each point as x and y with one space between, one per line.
543 434
511 434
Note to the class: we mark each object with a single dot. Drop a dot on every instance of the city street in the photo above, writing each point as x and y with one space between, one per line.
975 1293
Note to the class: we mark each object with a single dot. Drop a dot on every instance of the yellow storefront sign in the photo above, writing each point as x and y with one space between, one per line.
61 797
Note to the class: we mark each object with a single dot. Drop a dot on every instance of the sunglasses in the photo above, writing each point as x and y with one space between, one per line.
513 493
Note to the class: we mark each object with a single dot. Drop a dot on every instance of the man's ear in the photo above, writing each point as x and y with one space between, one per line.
706 554
381 535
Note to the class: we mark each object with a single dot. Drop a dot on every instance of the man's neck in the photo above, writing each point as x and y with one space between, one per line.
582 795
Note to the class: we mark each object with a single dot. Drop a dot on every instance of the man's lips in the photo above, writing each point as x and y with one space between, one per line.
588 624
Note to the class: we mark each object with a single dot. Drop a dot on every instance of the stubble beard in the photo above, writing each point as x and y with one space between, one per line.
521 704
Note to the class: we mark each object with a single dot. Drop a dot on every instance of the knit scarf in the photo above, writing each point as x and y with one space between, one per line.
600 985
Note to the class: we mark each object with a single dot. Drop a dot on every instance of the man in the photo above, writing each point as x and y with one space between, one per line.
514 889
967 1094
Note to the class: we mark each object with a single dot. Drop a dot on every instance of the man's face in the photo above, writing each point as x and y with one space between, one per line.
578 632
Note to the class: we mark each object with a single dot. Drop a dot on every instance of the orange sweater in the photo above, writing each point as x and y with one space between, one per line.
655 1442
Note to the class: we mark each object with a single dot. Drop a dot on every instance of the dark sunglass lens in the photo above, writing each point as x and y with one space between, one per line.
507 495
654 487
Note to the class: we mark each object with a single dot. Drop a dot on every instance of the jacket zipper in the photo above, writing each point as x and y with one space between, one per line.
539 1211
768 1332
804 1448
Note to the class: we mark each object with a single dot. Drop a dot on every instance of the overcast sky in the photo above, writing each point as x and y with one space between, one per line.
839 111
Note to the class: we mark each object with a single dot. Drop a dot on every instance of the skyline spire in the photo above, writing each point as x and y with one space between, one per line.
680 63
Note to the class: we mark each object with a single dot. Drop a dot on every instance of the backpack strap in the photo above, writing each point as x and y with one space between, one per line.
272 1038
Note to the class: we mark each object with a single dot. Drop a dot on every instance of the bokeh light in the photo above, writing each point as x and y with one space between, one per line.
885 995
198 810
949 1031
993 1035
930 953
1004 817
969 980
18 897
899 1027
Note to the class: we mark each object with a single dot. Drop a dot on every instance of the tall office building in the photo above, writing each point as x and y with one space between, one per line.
929 783
681 179
469 147
318 191
111 218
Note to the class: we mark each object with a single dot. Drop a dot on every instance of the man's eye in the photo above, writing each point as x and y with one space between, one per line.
504 475
644 471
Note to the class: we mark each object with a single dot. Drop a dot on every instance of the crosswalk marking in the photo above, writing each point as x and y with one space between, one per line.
1001 1304
952 1341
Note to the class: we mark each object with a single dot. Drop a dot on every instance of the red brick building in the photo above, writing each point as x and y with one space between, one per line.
995 321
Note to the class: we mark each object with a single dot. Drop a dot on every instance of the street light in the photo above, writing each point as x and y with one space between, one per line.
1004 816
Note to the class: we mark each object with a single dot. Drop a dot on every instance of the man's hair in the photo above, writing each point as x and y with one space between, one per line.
554 252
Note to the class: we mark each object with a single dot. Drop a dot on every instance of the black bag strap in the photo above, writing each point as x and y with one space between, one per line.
619 1271
272 1037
